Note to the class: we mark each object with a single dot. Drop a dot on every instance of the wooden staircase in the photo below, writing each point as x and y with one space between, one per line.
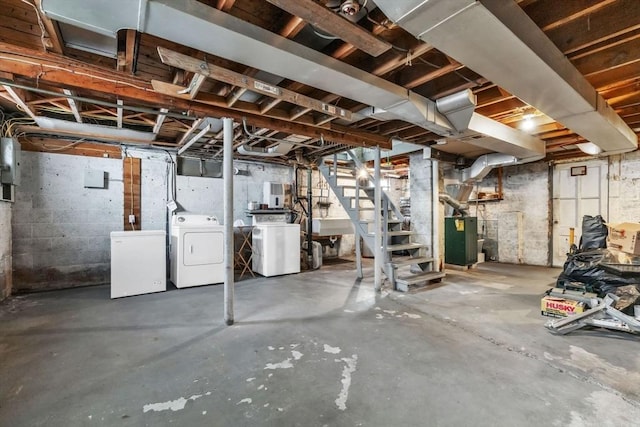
405 263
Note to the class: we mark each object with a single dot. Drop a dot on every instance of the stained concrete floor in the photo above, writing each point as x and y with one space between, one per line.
313 349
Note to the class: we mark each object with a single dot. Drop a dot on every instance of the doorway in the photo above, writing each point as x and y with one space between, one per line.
578 189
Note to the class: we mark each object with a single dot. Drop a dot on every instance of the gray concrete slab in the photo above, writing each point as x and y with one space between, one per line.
316 348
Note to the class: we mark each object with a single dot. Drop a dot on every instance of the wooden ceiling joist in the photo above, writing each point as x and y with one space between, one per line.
75 106
188 63
19 101
326 20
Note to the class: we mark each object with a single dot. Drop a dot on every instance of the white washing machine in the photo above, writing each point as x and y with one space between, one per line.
197 250
276 248
138 262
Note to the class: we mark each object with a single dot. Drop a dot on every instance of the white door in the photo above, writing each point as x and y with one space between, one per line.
575 195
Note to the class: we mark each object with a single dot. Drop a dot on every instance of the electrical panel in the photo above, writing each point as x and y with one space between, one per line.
9 161
9 168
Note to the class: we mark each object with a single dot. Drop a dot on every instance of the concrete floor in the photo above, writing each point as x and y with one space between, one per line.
313 349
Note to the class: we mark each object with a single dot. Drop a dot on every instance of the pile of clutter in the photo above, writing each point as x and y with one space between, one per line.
600 282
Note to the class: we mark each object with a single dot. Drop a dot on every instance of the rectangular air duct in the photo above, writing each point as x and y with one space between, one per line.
496 39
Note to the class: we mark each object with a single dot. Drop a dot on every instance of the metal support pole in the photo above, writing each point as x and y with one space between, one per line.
309 219
435 216
377 278
228 219
356 229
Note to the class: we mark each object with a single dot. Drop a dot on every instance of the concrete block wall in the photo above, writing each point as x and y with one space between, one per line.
206 195
525 195
61 229
6 260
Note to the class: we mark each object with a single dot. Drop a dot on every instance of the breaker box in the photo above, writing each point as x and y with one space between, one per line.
9 161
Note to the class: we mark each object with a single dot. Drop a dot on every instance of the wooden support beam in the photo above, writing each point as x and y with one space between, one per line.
401 60
184 147
225 5
235 96
131 170
119 116
75 106
71 146
195 84
53 38
70 73
19 101
130 52
185 137
326 20
160 120
188 63
604 24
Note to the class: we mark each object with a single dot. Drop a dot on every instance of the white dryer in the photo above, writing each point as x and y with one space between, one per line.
197 250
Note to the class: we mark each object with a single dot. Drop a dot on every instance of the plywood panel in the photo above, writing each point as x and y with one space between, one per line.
131 168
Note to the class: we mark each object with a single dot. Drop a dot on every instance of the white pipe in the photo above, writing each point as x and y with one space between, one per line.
377 277
228 219
435 215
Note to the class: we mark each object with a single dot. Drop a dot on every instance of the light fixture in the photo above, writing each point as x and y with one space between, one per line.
589 148
350 7
362 174
528 123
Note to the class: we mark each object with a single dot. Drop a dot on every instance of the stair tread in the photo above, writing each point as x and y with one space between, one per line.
397 233
390 221
403 246
419 278
409 261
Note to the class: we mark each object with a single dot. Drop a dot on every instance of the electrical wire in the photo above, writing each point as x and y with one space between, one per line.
322 35
43 32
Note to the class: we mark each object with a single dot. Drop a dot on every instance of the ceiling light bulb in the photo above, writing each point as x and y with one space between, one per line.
350 7
528 124
362 174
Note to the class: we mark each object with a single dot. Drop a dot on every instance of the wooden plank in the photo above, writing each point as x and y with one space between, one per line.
19 101
401 60
194 65
52 69
550 14
130 52
75 106
131 170
53 31
332 23
612 57
60 146
606 23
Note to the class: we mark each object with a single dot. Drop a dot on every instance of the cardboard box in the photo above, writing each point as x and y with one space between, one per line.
624 237
559 307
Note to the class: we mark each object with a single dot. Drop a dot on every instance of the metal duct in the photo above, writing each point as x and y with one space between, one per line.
458 108
497 39
483 165
253 46
456 204
276 151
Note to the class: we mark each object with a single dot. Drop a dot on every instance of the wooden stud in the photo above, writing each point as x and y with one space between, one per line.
325 20
194 65
16 98
131 169
75 106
